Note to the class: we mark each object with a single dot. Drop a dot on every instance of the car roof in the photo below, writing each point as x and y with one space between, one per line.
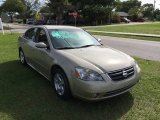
59 27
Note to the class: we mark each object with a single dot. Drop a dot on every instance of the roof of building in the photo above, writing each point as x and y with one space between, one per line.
122 14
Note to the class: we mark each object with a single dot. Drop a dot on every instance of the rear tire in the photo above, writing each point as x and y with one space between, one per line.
22 57
60 84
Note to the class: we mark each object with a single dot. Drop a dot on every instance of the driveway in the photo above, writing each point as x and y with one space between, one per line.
17 26
149 50
21 28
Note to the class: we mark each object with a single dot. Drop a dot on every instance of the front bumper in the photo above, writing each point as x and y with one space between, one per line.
99 90
102 96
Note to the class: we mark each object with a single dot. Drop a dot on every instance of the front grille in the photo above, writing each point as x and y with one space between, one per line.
122 74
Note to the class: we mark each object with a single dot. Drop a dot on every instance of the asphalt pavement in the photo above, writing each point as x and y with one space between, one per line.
149 50
126 33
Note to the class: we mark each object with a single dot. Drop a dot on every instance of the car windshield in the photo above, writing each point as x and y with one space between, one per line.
71 39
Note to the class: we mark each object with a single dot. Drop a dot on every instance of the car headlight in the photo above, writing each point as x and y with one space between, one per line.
137 67
87 74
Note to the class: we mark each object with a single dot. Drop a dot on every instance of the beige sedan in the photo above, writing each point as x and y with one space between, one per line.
76 63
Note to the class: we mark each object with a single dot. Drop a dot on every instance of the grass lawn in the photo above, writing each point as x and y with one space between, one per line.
143 28
26 95
128 36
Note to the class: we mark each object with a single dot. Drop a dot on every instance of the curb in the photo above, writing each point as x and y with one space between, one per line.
123 33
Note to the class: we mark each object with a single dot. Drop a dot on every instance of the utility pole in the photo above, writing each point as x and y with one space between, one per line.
154 7
154 4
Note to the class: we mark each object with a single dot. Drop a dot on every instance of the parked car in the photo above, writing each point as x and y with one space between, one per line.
29 21
125 20
139 20
51 22
19 20
76 63
39 22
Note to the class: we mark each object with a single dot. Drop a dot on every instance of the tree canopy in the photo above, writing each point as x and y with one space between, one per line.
125 6
147 10
89 9
13 6
31 6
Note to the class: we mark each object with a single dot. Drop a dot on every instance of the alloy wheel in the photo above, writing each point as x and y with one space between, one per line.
59 84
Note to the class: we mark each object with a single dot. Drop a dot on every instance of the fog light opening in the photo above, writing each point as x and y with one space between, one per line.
96 95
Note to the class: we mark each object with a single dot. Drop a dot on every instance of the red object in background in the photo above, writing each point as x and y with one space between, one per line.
75 14
139 20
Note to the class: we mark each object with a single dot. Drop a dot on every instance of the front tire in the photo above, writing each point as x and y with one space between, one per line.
22 57
60 84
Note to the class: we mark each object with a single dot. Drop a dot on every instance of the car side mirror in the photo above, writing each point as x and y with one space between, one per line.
99 40
41 45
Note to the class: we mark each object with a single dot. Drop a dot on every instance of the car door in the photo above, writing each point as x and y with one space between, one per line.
29 44
42 58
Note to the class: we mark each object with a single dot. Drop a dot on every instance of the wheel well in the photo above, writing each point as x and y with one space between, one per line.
54 67
20 48
57 66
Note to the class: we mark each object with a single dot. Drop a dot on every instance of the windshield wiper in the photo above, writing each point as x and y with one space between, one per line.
65 48
76 47
86 46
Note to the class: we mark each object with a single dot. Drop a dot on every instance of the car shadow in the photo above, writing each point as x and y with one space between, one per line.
26 95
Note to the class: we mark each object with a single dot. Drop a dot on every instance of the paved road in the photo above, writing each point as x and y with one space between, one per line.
126 33
21 28
149 50
15 31
17 26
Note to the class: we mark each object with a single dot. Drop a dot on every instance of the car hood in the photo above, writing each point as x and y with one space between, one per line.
107 59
